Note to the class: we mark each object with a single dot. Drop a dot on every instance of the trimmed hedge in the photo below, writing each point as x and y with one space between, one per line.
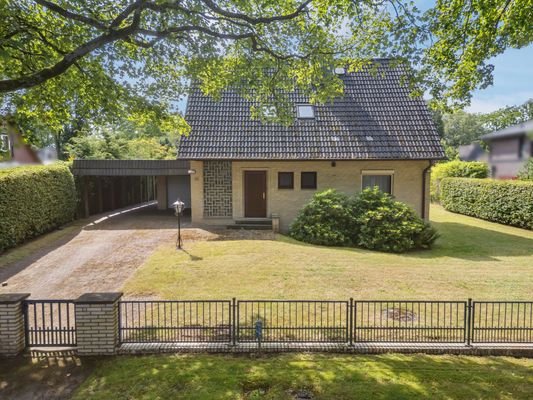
455 169
34 200
506 202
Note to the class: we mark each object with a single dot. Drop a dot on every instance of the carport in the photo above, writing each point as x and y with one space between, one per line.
105 185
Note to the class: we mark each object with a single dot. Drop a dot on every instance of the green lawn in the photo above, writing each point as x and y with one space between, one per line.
336 377
472 258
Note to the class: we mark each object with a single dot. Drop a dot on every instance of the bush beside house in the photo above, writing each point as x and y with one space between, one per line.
506 202
34 200
371 220
455 169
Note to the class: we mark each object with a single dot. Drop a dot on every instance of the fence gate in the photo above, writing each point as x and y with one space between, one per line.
49 323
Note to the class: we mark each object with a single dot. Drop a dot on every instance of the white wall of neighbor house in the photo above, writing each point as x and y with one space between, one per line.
345 176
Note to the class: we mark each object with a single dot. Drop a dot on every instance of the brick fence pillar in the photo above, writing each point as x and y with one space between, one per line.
97 323
12 338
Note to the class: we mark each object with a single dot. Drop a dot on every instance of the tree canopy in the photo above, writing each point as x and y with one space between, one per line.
66 61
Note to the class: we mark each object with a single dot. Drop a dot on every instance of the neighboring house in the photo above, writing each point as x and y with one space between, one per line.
243 169
509 149
473 152
13 149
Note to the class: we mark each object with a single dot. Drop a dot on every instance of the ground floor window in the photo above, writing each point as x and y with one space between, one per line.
308 180
285 180
382 179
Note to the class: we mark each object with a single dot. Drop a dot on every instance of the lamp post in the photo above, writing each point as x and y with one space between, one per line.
178 207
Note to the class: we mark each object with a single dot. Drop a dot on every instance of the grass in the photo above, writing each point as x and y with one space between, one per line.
472 258
324 376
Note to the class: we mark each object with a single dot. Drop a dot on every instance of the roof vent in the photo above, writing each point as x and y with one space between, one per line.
340 71
369 138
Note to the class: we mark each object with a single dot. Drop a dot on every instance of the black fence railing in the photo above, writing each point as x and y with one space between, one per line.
502 322
313 321
410 321
49 323
175 321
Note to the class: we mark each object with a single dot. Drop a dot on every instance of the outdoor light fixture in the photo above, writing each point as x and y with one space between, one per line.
191 171
178 207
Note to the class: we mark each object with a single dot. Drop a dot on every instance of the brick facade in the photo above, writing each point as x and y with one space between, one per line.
12 324
97 323
217 188
345 176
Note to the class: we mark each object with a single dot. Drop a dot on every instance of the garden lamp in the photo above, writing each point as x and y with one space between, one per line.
178 207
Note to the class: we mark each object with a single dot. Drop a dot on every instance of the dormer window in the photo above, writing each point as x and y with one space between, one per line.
305 111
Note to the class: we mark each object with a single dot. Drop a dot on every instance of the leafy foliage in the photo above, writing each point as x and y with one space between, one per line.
455 169
506 202
371 219
389 225
526 173
34 200
325 220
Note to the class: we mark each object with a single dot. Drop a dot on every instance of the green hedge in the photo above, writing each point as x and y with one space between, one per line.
455 169
34 200
506 202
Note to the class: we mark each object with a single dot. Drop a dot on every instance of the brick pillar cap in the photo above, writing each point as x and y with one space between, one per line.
10 298
105 297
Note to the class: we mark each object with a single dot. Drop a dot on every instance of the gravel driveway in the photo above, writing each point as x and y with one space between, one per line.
98 257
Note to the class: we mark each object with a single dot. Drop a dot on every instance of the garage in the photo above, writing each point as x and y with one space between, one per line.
106 185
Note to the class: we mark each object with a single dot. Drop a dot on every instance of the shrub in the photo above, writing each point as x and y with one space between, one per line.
455 169
34 200
526 173
506 202
389 225
372 220
325 220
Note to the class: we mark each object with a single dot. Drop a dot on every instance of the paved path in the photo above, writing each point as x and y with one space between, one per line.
100 256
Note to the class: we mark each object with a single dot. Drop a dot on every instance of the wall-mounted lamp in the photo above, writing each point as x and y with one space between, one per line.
191 171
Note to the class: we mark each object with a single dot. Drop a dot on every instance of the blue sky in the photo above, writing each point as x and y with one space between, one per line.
513 81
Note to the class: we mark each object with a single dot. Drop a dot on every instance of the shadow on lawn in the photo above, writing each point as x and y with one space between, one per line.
320 376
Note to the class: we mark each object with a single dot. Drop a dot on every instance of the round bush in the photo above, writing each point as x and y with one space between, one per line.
389 225
325 220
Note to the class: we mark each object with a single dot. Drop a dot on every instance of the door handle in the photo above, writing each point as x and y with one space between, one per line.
264 196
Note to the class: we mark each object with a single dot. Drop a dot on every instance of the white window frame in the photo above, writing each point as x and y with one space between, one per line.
382 172
305 105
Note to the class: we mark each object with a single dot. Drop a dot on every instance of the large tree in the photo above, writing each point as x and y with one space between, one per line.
98 50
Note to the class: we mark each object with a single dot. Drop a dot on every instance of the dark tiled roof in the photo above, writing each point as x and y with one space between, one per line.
515 130
376 119
129 167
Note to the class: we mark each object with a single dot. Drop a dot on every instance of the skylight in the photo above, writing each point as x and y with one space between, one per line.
305 111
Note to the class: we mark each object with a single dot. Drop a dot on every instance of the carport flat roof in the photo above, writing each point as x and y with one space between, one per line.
130 167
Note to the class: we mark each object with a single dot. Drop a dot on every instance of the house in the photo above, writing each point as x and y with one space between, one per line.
14 150
509 149
246 170
473 152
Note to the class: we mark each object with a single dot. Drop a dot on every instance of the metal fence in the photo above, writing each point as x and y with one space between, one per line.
49 323
52 322
314 321
502 322
175 321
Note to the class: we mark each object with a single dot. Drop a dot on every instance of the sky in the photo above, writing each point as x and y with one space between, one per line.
513 82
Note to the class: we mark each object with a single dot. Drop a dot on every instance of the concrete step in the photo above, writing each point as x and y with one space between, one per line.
262 227
254 221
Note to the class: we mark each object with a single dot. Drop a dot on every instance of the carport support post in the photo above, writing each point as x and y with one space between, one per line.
12 337
97 323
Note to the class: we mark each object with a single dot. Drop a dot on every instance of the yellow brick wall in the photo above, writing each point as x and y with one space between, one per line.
345 177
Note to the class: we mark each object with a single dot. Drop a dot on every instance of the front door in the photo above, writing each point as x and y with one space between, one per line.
255 194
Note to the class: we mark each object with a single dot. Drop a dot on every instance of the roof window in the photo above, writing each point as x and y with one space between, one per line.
305 111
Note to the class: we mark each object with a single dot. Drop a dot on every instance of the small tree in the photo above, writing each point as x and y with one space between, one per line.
526 173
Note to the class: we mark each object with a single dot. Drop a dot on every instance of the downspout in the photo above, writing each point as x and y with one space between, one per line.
424 172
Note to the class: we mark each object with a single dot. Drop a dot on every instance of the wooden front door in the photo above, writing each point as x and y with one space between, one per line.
255 194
